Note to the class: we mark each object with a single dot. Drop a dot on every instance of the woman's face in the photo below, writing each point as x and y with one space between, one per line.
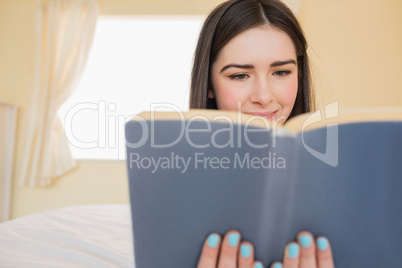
257 72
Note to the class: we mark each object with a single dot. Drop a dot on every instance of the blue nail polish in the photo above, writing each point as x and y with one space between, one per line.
213 240
322 243
258 265
233 239
305 240
293 250
278 265
245 251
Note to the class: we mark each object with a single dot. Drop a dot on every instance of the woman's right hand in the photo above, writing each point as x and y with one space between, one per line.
231 252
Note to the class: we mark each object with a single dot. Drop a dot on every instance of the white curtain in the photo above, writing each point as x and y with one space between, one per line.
65 30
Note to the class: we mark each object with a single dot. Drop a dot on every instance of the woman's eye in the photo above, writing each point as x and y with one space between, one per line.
238 76
281 73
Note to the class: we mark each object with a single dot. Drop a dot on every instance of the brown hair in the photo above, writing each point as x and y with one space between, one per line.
230 19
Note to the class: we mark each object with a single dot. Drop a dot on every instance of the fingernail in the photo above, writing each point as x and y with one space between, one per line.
305 240
293 250
233 239
322 243
258 265
277 265
245 251
213 240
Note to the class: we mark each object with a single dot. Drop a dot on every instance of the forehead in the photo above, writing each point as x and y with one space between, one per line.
260 44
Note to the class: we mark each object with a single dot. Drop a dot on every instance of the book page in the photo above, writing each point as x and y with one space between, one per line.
294 125
345 116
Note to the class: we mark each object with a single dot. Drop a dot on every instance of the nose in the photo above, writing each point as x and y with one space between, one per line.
262 92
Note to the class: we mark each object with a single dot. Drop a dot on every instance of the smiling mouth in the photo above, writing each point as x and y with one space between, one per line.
271 114
266 115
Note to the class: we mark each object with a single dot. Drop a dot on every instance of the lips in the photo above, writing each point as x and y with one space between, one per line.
268 115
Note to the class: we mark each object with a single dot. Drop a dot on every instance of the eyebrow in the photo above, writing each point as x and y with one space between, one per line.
280 63
249 66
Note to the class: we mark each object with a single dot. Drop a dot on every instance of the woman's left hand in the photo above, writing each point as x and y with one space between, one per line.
231 252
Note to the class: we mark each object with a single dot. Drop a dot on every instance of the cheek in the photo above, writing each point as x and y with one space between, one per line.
226 96
287 94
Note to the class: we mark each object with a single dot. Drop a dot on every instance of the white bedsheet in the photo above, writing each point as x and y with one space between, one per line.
79 236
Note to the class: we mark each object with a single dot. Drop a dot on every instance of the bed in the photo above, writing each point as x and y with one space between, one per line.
78 236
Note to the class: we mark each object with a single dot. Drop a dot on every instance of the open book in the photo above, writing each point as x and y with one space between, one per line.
199 172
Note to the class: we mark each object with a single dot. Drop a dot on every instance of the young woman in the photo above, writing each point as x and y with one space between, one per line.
251 57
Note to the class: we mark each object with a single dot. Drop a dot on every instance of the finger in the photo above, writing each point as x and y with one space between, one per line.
229 249
324 253
291 256
246 255
307 250
277 265
257 264
210 251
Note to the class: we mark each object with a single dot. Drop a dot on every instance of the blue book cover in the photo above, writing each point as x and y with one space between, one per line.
189 176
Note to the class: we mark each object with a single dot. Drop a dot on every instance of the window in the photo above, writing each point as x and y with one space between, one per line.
134 62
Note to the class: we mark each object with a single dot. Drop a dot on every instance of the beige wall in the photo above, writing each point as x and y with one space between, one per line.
91 182
158 7
16 64
354 46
